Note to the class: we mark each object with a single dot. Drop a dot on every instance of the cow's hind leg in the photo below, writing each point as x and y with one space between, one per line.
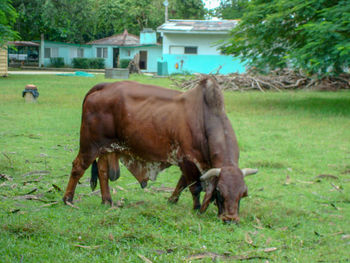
80 164
103 168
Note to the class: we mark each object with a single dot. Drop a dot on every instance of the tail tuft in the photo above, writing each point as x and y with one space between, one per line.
94 176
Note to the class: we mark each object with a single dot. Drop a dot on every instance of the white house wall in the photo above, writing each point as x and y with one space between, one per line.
207 44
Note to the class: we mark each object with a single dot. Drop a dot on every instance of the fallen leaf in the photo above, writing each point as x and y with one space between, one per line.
327 176
32 191
87 247
336 187
345 236
50 204
120 188
144 258
270 249
248 239
71 205
111 237
36 172
6 177
163 189
57 188
288 180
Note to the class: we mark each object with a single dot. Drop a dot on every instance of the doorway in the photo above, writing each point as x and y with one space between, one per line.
115 57
143 59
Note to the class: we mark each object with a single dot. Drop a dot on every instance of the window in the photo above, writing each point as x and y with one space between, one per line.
191 50
51 52
47 53
80 53
180 50
102 52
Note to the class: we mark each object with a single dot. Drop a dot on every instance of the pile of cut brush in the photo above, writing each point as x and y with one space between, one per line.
278 80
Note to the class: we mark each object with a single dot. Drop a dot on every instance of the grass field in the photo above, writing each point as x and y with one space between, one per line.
295 212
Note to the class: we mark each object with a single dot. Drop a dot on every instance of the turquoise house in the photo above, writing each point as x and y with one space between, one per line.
112 49
65 50
126 46
192 46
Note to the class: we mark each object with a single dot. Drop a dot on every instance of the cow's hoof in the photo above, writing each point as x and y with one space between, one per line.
107 202
67 199
173 200
197 207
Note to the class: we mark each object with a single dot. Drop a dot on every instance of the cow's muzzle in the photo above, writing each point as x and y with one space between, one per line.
229 219
143 184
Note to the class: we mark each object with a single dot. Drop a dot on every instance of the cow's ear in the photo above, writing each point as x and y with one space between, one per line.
208 195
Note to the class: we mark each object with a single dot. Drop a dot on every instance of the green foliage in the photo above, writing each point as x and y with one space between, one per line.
292 137
312 35
124 63
96 19
8 17
57 62
97 63
64 20
186 9
88 63
231 9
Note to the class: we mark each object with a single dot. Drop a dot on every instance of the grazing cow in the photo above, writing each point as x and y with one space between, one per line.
150 128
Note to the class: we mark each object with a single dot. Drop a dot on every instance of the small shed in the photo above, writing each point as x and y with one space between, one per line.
23 52
3 62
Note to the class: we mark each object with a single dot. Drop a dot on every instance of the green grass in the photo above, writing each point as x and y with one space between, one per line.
298 135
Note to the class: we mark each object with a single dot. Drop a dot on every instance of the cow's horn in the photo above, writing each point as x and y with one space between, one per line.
249 171
209 174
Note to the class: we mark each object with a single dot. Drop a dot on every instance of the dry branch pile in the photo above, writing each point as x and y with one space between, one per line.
277 80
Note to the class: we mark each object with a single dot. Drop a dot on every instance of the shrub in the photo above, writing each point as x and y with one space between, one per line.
98 63
85 63
124 63
57 62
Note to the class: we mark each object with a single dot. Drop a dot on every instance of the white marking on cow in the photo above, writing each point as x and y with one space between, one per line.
150 169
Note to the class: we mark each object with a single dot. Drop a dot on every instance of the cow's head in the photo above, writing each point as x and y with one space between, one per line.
226 187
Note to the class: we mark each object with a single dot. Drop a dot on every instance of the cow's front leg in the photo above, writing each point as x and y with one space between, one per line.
196 189
102 165
181 185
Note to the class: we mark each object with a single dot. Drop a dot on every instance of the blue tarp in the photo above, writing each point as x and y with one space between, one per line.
77 74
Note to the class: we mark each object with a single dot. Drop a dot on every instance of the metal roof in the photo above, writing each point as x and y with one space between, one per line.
124 39
198 26
23 44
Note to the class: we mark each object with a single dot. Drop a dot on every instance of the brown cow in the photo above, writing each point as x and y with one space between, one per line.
151 128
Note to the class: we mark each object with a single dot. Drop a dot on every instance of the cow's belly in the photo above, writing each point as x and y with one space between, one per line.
144 166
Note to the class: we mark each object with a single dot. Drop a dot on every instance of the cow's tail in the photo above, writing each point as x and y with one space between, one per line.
94 175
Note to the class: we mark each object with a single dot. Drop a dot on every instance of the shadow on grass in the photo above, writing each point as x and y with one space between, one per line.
312 105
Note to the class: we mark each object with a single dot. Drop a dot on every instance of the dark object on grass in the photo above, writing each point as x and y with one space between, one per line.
30 93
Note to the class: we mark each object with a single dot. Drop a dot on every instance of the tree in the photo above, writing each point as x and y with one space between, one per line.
58 20
8 17
231 9
313 35
186 9
79 21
